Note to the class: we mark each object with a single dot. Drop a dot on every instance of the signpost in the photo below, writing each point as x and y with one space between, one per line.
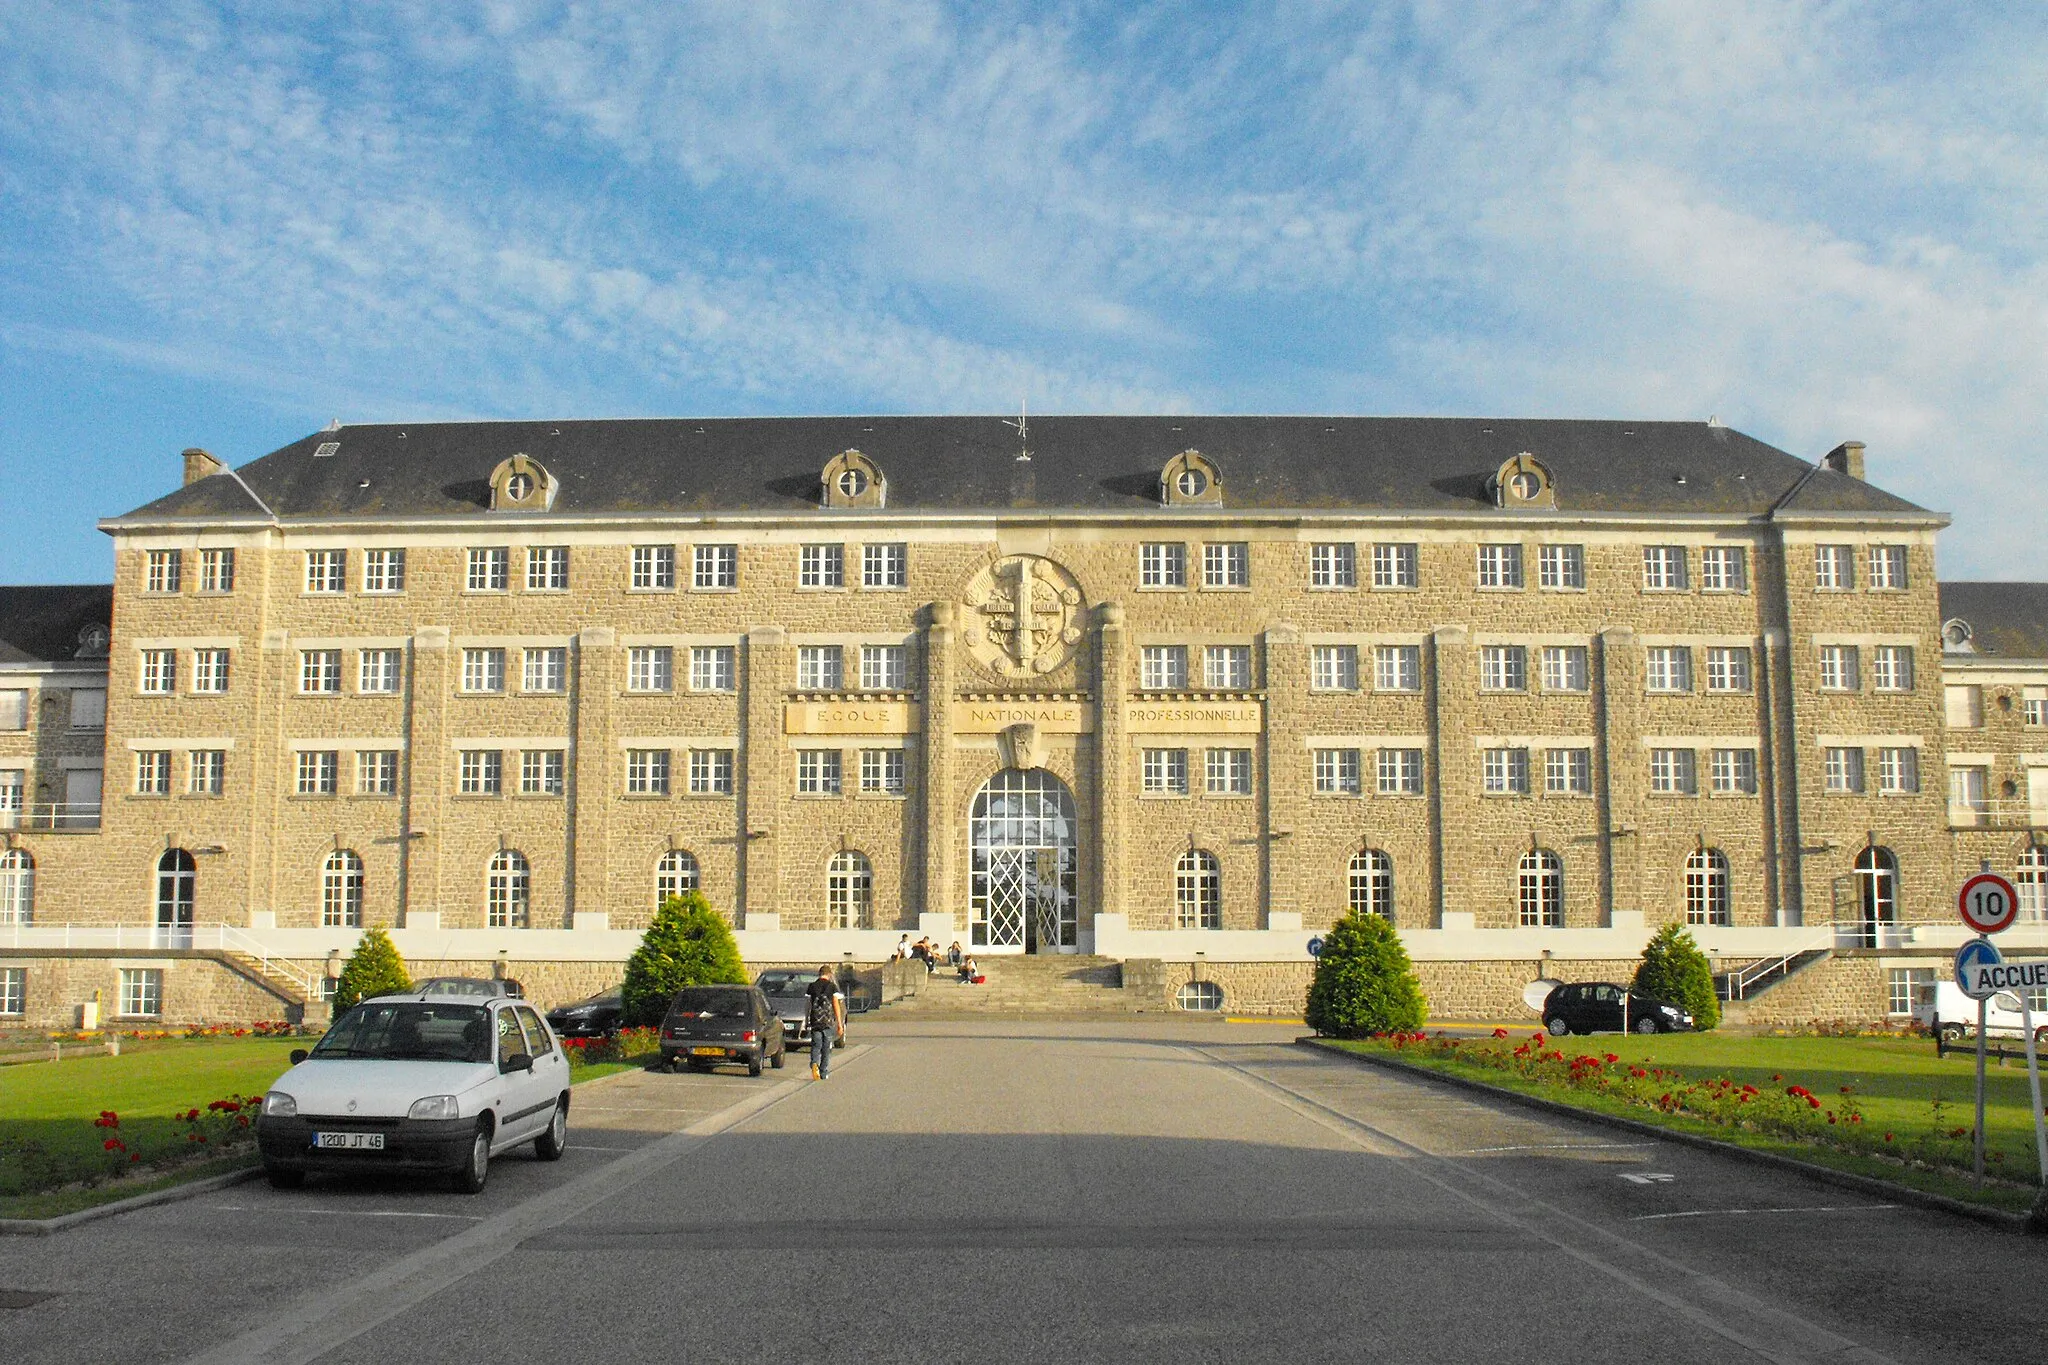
1988 905
1973 954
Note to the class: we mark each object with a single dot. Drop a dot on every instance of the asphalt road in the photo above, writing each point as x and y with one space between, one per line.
976 1190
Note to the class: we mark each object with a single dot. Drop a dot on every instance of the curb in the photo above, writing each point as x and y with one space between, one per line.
43 1227
1826 1175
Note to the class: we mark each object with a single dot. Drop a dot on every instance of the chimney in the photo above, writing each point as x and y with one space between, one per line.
1846 458
200 465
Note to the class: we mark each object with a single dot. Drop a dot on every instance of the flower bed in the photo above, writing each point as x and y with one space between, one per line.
624 1048
223 1128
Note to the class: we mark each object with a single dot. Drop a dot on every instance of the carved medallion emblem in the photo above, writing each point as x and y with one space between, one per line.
1024 616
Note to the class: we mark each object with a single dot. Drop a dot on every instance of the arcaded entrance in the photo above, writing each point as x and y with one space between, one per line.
1023 894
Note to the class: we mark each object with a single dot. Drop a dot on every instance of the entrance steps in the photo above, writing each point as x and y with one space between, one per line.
1028 984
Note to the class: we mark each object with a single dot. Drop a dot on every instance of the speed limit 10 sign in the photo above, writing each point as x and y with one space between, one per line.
1987 903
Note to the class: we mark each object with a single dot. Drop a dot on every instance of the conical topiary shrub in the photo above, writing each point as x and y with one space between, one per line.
1674 969
1364 983
687 945
375 968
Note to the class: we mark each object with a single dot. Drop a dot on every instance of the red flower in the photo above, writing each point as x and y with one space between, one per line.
1887 1137
1612 1058
1500 1033
1776 1077
115 1145
135 1156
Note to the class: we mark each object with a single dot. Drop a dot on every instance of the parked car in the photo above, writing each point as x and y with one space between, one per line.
710 1025
1603 1007
437 1082
786 993
482 987
1944 1009
600 1016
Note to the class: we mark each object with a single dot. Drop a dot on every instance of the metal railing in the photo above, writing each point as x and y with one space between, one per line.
53 816
1739 981
2001 814
225 938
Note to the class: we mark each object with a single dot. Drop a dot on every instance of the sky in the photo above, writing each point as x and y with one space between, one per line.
227 224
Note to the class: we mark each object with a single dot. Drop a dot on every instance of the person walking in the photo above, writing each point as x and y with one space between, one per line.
827 1020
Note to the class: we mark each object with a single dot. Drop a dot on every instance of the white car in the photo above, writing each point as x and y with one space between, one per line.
432 1082
1952 1014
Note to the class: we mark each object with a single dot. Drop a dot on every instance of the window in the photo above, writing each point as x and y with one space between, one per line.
377 670
881 772
1839 670
1898 771
1504 772
1667 668
1664 568
1370 881
483 772
13 991
715 567
884 566
1227 666
1834 568
1228 772
2030 880
647 772
1963 706
341 890
650 668
483 670
1724 568
2035 704
547 568
1227 565
544 670
1165 772
1400 772
817 772
711 772
159 672
206 772
711 668
1333 668
14 709
209 670
1568 772
508 890
1672 772
1734 772
1565 668
1162 565
1561 568
1539 888
216 571
654 568
1503 668
821 566
1843 769
383 571
1500 566
1396 566
1706 888
884 668
153 772
674 875
88 708
1163 667
1397 668
326 571
13 785
1728 668
490 569
17 894
376 772
165 572
1891 668
1198 891
320 670
1337 772
1965 793
817 668
1904 986
1877 877
849 891
142 992
1198 996
1887 568
319 771
1333 566
540 772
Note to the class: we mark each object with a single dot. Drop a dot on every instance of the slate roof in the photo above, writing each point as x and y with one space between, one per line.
2006 620
45 624
967 464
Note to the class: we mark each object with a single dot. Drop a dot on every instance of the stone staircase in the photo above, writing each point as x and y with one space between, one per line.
289 994
1029 984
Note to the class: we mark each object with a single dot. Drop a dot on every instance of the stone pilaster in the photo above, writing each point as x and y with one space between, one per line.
1112 758
1453 767
1288 775
765 671
1619 767
430 768
270 768
941 803
595 784
1777 783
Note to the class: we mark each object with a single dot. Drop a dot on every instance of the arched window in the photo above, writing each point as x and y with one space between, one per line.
1198 891
177 896
508 890
17 887
1540 888
674 875
1372 883
1706 888
341 890
1877 887
1199 995
849 891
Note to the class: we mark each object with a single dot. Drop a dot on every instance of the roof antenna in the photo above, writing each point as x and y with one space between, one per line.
1023 426
1714 420
333 424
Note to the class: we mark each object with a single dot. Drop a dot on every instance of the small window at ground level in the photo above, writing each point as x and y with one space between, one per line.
1200 995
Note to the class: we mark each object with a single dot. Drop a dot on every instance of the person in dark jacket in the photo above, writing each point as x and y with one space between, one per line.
827 1010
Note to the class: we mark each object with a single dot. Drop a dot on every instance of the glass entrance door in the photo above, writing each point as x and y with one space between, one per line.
177 886
1023 895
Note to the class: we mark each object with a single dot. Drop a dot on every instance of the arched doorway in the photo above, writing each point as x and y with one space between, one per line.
1877 889
177 893
1023 892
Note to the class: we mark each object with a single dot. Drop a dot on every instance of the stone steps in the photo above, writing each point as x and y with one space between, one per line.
1051 984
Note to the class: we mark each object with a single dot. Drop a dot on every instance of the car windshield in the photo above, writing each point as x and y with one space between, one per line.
782 983
457 985
733 1003
394 1031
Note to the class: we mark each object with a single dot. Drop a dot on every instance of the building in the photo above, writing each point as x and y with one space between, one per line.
1169 690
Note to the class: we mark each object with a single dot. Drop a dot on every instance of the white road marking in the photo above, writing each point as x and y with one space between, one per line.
1561 1147
295 1209
1648 1178
1734 1213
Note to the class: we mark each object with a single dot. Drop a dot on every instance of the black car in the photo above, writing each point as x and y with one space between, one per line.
1603 1007
711 1025
600 1016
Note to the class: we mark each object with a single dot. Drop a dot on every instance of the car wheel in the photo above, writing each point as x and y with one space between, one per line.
780 1057
1952 1032
284 1177
753 1066
476 1168
1646 1025
550 1145
1558 1028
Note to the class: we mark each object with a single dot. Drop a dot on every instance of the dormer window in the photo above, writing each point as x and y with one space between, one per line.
1524 481
519 487
851 479
852 483
1190 478
1956 636
1191 483
521 484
